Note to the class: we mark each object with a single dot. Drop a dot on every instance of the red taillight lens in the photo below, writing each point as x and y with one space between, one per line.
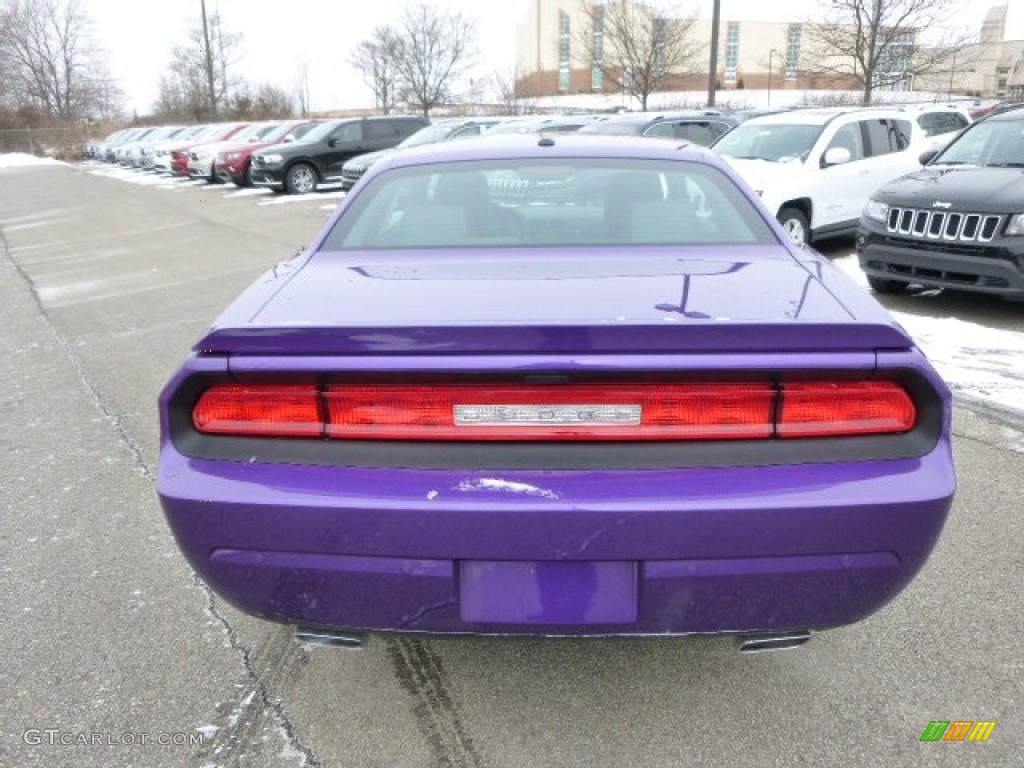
289 410
626 411
567 412
822 409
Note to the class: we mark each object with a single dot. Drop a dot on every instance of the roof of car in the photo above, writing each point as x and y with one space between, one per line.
930 106
357 118
566 145
1008 112
653 117
820 115
531 123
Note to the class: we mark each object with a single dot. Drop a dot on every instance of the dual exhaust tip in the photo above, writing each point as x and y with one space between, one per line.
772 641
336 638
756 643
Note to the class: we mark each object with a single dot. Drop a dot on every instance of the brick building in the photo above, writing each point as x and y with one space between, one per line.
556 47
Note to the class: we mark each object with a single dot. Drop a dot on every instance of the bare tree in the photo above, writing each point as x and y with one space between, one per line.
262 102
638 46
879 43
8 69
377 62
506 90
48 59
302 86
185 88
211 83
182 90
104 96
435 49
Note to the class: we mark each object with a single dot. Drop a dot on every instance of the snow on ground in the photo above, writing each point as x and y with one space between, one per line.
141 178
164 181
233 191
311 197
22 160
979 362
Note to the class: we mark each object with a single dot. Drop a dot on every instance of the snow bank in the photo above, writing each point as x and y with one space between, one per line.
985 363
22 160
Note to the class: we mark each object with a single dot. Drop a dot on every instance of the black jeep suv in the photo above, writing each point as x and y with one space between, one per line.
956 223
317 158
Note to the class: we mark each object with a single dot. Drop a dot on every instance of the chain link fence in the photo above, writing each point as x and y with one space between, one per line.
62 143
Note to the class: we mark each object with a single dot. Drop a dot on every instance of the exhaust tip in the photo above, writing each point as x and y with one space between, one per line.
778 641
354 641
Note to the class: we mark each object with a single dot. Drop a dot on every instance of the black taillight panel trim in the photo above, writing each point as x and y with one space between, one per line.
451 455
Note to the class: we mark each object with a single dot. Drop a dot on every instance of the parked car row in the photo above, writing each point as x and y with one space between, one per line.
814 170
251 153
193 151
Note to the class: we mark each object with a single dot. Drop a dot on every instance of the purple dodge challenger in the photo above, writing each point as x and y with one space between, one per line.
556 386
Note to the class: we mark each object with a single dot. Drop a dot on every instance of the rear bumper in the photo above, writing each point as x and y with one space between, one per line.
578 553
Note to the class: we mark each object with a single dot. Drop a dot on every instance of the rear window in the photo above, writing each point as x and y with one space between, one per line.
616 127
938 123
553 202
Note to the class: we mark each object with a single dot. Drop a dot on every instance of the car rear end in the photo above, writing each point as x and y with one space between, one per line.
619 440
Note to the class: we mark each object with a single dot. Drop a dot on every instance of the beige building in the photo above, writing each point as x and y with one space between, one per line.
994 68
555 50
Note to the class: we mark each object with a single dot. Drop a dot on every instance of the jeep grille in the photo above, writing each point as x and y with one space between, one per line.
943 225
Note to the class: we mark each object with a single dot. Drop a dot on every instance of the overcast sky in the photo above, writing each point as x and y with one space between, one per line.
139 36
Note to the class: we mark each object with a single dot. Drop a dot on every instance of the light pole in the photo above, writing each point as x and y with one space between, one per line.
716 14
209 60
952 73
771 53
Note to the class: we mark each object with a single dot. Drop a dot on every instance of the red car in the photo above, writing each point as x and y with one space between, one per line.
233 164
179 155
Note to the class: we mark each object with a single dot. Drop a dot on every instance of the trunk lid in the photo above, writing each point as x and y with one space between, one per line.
734 299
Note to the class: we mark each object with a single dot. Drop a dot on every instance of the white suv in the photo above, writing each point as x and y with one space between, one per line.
816 168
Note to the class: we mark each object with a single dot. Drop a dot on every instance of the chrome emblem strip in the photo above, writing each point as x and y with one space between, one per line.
530 415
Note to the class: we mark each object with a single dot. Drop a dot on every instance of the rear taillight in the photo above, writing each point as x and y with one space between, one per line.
632 411
568 412
286 411
821 409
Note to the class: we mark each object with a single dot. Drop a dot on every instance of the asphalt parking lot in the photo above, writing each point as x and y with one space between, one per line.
112 647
